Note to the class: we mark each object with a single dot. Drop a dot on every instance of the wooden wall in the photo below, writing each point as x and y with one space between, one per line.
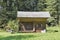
32 19
35 24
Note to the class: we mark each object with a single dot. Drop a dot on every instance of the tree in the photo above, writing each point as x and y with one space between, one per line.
58 9
41 5
3 16
51 7
6 15
27 5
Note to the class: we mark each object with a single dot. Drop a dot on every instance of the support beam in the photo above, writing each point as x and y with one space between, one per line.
33 27
23 27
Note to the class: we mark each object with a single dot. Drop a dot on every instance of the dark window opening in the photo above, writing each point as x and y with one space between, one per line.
26 26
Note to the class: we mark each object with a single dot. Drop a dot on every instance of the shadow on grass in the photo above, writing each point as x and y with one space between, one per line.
17 37
54 31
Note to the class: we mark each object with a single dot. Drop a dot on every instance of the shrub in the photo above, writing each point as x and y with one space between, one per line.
51 21
13 25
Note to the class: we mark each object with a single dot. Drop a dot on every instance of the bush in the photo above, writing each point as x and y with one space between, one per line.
51 21
13 25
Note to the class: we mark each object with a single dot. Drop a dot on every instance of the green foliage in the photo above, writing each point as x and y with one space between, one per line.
13 25
27 5
53 8
52 21
41 5
31 5
10 7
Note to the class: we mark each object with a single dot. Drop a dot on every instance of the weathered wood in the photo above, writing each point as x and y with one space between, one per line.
37 19
32 19
33 27
38 27
22 26
43 26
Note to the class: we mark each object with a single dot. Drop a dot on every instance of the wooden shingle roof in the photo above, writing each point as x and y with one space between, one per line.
33 14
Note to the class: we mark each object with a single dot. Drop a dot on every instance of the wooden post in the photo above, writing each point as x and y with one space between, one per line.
43 27
18 29
23 27
33 27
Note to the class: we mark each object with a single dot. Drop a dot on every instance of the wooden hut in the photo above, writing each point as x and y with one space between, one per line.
32 21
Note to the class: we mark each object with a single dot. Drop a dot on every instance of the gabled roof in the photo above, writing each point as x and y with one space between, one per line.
33 14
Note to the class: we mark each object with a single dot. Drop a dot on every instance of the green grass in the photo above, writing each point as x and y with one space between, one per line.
49 35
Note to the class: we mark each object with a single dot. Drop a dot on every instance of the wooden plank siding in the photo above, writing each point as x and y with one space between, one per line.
32 22
32 26
32 19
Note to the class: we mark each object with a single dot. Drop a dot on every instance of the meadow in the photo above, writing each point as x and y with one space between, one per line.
53 33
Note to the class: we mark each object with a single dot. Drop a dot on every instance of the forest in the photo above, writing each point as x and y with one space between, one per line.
9 8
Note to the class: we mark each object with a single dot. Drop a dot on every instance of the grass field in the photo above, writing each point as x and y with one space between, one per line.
51 34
